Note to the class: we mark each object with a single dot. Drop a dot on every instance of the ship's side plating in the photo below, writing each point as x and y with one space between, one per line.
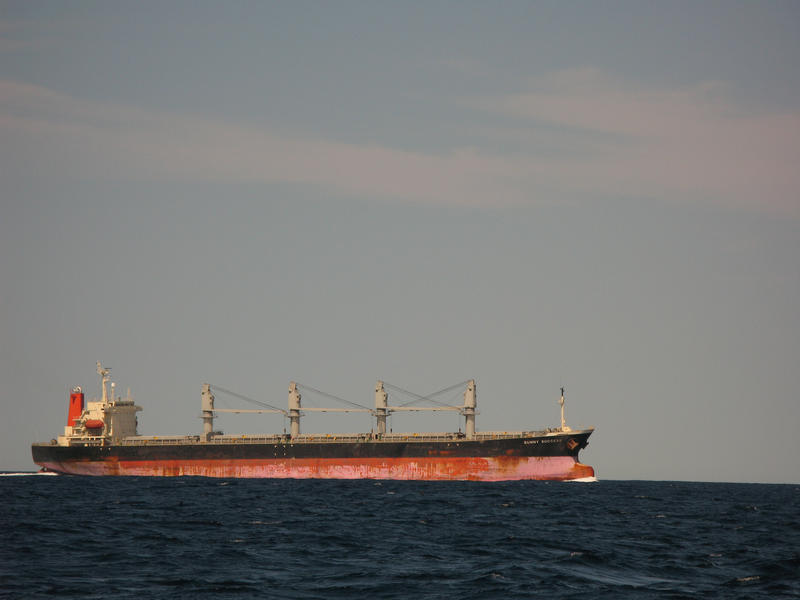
527 456
487 456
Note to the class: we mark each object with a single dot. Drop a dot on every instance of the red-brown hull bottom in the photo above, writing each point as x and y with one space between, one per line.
500 468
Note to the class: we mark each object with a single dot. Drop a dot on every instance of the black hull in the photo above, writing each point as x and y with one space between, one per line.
562 445
553 456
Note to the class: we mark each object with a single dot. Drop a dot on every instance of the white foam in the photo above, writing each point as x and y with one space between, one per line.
585 479
27 474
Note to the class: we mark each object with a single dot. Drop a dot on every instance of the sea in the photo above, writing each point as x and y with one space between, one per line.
84 537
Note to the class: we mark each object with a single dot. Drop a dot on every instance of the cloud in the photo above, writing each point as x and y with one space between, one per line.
686 143
578 134
52 134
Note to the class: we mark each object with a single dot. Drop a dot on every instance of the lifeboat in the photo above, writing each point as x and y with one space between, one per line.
93 424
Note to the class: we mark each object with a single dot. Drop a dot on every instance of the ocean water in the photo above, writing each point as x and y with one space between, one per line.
194 537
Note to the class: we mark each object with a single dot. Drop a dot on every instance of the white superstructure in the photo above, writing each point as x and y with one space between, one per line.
109 418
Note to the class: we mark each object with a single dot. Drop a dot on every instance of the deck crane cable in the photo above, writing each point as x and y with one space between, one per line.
246 399
457 388
453 397
429 397
303 386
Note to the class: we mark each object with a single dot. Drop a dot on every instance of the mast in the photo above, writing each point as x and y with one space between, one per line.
207 404
470 402
380 407
294 409
563 422
104 377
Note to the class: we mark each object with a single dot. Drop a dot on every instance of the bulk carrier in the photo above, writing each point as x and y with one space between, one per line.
101 438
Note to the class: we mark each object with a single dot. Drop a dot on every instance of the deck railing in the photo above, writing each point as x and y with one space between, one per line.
330 438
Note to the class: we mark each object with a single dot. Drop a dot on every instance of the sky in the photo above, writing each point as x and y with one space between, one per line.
600 196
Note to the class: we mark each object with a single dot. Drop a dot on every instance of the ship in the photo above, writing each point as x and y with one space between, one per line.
101 438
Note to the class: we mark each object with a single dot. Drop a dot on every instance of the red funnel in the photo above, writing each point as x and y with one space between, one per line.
75 406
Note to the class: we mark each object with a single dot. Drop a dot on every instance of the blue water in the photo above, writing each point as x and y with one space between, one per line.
194 537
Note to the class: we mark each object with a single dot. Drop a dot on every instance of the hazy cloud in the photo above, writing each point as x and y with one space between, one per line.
55 134
684 143
680 144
